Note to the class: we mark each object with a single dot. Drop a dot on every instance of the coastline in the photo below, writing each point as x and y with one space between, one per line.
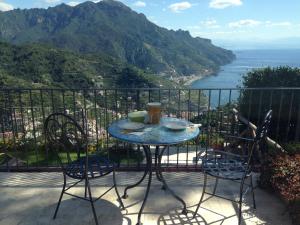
194 78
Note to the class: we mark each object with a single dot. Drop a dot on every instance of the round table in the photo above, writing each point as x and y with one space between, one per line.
154 135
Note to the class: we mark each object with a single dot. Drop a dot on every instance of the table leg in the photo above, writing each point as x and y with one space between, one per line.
149 170
165 185
125 195
158 173
156 163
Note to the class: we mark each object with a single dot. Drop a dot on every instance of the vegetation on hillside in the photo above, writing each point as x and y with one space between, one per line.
280 171
37 66
109 27
283 103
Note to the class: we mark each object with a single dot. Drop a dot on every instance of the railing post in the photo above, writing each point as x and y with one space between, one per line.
138 99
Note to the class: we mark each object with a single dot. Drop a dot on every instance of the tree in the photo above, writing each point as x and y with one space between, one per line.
283 102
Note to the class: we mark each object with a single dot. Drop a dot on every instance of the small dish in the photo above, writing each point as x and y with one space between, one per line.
137 116
131 126
175 125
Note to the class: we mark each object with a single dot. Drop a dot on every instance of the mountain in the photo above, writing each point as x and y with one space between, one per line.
111 28
39 66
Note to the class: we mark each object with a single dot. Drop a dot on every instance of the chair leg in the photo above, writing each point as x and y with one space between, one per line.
252 190
85 188
241 201
91 200
60 197
116 189
203 192
216 184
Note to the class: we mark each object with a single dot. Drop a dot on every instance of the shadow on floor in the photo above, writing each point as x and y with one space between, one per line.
72 211
175 217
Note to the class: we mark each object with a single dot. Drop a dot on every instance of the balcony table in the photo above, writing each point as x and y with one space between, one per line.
159 136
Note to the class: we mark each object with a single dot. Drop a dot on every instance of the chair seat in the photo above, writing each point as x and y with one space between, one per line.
97 167
231 169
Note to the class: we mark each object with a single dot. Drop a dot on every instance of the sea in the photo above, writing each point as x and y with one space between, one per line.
230 75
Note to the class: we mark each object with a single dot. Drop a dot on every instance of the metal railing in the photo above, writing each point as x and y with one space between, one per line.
23 112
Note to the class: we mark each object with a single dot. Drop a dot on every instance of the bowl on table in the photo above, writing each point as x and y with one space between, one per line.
137 116
176 125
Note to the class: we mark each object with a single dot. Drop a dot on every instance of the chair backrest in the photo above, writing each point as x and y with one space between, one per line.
66 137
263 130
260 139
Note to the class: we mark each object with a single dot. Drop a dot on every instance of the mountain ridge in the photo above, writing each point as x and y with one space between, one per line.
112 28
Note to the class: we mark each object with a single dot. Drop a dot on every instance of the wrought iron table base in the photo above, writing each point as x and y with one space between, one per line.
159 176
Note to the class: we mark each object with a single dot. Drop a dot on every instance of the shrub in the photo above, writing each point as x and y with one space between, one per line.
282 102
282 174
285 177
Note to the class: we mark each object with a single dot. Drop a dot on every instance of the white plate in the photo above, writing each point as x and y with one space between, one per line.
131 126
175 125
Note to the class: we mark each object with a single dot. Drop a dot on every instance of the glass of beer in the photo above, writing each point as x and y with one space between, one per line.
154 112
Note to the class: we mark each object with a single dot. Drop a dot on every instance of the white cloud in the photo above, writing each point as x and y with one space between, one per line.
179 6
73 3
253 23
5 6
221 4
210 23
244 23
139 4
278 24
213 35
52 1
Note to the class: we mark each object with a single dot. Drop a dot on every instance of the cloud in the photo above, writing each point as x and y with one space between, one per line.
52 1
73 3
139 4
210 23
221 4
5 6
253 23
278 24
214 34
179 6
244 23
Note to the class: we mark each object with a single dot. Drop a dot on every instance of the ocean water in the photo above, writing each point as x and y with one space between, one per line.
230 75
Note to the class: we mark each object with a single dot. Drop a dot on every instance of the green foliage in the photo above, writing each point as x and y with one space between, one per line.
30 154
132 78
111 28
38 66
2 158
292 147
282 173
283 76
283 103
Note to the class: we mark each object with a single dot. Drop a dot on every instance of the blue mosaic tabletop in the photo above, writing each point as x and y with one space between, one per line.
155 134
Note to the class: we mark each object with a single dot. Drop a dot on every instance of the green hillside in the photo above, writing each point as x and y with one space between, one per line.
43 66
111 28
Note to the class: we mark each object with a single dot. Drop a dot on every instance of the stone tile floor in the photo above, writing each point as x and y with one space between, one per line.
30 199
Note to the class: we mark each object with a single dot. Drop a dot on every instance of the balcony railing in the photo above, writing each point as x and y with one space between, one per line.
23 112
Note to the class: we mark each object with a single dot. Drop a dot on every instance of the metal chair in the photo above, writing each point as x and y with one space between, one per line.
69 142
234 167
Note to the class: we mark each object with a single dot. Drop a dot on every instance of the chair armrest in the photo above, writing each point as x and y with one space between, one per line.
200 155
239 138
213 154
229 154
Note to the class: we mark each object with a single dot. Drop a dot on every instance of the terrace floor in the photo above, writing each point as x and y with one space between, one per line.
30 199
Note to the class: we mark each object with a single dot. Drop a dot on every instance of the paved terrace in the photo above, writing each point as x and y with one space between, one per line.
30 199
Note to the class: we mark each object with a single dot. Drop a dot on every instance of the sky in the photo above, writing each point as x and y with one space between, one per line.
226 22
